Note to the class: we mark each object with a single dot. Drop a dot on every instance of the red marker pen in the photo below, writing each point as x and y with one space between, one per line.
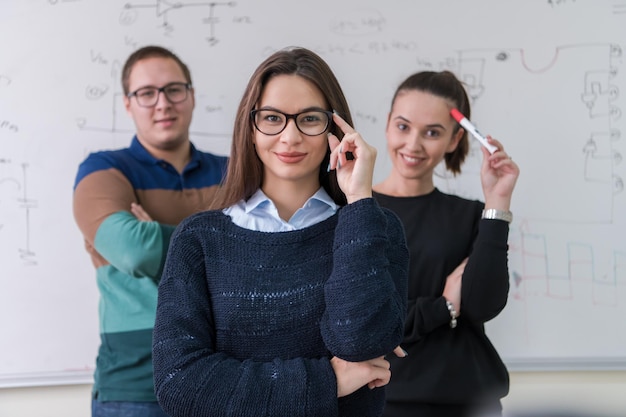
467 125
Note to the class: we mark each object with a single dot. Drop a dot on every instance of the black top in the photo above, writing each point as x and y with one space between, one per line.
445 365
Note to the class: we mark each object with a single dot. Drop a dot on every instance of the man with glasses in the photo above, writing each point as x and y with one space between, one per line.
127 203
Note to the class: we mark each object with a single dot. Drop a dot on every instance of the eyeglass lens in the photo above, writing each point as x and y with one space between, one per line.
149 96
272 122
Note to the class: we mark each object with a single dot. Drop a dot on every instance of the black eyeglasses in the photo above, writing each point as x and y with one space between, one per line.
310 122
149 96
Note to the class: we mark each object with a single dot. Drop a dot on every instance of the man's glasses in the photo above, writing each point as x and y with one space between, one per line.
149 96
310 122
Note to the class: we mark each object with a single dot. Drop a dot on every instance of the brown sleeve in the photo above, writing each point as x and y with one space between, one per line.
97 196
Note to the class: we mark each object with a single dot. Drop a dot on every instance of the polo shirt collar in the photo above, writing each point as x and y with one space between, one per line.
142 154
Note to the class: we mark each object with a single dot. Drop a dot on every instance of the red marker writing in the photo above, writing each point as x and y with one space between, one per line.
467 125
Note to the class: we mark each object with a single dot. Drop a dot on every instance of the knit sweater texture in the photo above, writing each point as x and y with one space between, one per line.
248 321
450 366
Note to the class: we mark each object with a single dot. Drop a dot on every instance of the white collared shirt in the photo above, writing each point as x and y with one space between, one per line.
259 213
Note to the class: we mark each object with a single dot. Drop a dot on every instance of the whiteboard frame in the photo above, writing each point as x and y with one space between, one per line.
44 379
83 377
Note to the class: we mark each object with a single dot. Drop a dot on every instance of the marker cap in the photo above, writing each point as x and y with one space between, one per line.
458 116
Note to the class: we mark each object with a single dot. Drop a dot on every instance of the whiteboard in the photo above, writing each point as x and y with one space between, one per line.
546 77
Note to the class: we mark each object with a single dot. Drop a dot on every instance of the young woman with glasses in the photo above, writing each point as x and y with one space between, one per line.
284 298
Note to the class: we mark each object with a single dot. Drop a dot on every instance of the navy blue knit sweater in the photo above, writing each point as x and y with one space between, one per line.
247 321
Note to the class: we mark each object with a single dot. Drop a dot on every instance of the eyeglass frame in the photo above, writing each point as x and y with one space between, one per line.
329 115
160 90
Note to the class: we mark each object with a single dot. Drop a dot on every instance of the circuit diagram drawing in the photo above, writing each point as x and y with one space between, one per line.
16 207
98 91
163 9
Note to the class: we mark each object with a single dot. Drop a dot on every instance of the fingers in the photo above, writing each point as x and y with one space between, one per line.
354 159
342 124
498 176
399 352
377 383
353 375
333 143
500 160
339 152
494 142
349 148
380 373
379 362
138 211
500 153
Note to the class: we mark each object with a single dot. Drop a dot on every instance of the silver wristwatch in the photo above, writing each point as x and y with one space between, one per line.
494 214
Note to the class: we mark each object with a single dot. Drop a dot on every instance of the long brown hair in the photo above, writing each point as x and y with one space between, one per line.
245 169
446 85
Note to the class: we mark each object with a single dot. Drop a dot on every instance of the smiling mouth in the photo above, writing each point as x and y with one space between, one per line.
291 158
411 159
